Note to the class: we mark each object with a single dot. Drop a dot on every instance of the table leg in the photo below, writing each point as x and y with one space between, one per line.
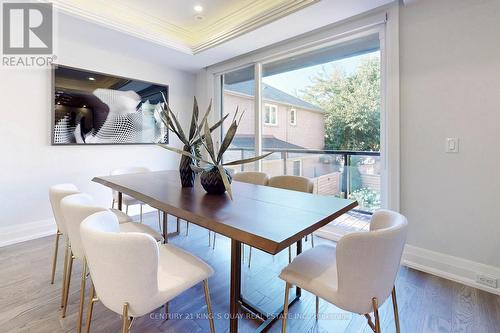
298 291
235 293
268 318
120 199
165 231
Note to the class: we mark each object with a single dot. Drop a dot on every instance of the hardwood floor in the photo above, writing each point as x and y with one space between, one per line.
29 303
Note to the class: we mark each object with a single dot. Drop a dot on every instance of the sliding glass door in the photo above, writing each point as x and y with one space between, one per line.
320 117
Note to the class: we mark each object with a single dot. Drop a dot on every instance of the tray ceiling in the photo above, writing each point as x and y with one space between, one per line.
175 23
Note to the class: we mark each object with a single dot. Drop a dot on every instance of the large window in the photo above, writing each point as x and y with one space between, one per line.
336 141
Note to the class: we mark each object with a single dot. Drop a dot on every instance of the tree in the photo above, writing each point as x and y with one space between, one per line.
352 106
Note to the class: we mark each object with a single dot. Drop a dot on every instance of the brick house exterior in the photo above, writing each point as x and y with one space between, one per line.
307 132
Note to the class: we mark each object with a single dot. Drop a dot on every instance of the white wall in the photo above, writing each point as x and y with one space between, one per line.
450 87
29 164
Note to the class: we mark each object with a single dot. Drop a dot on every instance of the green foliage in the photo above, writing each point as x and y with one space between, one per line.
367 198
352 106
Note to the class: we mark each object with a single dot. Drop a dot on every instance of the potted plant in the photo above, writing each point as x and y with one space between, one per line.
214 178
191 142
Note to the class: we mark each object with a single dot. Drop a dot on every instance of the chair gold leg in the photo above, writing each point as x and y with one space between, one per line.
113 204
68 282
395 307
376 315
54 260
209 238
166 311
126 209
65 269
187 228
370 322
312 240
289 254
317 307
165 228
90 307
285 309
125 319
249 256
213 245
82 296
159 220
140 210
209 306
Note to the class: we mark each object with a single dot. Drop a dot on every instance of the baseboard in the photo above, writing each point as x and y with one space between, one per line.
27 231
449 267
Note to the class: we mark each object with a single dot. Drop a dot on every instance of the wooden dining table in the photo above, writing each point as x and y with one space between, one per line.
269 219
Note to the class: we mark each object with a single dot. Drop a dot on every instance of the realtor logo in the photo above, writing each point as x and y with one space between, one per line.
27 34
27 28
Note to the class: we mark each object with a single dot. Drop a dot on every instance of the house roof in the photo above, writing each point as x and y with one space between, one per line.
268 141
271 93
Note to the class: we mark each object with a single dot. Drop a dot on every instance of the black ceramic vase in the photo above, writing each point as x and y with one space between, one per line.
212 182
187 174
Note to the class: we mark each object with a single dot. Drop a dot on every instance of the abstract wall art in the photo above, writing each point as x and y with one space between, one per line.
93 108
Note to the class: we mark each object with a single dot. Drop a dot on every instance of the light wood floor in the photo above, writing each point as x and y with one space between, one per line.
28 303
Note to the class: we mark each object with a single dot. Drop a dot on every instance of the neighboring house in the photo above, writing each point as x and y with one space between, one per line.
288 123
286 119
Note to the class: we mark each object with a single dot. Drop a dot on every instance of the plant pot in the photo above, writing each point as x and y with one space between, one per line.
186 173
212 182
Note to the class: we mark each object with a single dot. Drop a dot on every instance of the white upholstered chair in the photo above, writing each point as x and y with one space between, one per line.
75 208
293 183
358 274
132 274
56 194
126 199
251 177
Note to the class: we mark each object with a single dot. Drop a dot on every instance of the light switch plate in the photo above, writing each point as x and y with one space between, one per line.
452 145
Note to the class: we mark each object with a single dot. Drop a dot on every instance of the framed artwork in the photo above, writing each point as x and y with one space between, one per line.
91 108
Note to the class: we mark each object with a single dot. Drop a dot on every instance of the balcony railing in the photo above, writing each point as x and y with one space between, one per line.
343 173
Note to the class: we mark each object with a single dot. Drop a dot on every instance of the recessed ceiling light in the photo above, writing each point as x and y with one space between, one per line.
91 78
198 8
84 105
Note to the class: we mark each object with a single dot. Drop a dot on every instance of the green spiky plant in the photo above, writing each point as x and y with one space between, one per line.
192 141
214 163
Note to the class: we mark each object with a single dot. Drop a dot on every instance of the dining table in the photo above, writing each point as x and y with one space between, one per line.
269 219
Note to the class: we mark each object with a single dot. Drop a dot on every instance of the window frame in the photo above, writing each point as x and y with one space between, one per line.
271 106
300 166
385 23
294 122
